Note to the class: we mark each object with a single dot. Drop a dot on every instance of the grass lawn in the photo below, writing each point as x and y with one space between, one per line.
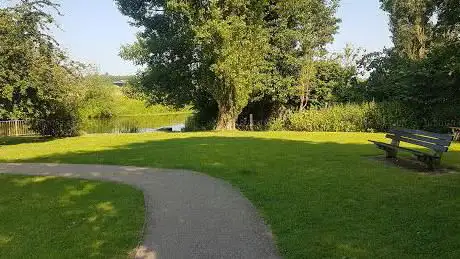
321 193
46 217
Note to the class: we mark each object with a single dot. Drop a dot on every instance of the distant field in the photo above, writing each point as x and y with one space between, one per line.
133 107
102 99
321 193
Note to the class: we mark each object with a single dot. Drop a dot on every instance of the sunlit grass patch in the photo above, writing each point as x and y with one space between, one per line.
49 217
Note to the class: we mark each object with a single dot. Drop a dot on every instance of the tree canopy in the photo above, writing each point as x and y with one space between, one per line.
228 52
411 25
423 68
34 73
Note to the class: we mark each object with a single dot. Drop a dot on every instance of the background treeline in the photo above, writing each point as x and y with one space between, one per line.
228 59
233 58
40 84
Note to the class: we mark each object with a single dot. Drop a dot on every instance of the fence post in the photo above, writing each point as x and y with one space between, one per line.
251 122
16 133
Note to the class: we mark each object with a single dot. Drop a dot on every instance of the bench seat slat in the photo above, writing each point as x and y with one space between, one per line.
436 141
439 143
416 152
426 133
419 143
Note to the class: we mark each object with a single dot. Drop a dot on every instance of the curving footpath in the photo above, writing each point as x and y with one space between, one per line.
188 214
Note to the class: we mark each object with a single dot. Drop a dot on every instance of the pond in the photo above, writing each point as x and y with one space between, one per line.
134 124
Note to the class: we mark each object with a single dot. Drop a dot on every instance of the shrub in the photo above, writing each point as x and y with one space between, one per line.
98 98
205 117
344 118
133 91
58 120
366 117
276 124
199 122
383 116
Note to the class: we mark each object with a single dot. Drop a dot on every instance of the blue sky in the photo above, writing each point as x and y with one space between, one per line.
363 25
92 31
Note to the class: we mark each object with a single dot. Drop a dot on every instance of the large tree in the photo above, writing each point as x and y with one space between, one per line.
422 71
411 23
165 46
300 30
447 28
233 44
191 47
228 52
35 75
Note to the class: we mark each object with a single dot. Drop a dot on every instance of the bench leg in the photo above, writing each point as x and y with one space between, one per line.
433 163
391 153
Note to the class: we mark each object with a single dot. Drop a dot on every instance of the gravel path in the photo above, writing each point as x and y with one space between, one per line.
188 214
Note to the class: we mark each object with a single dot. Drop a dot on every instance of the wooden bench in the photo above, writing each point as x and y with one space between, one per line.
456 133
437 143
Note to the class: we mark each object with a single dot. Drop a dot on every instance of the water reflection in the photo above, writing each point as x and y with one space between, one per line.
135 124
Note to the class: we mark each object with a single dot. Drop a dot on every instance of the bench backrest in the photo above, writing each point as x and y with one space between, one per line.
434 141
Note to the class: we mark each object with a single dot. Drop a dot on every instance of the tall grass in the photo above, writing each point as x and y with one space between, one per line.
365 117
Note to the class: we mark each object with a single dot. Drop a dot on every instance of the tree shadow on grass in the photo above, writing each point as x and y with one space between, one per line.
49 217
322 199
411 163
200 153
10 141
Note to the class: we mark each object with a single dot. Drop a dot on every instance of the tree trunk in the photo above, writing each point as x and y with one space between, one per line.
304 99
227 119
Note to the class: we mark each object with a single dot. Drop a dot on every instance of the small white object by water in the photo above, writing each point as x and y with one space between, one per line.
174 128
178 128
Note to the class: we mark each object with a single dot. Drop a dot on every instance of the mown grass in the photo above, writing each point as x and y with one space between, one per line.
322 193
46 217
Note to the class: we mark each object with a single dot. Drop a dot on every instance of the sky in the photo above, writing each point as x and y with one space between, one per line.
363 25
92 31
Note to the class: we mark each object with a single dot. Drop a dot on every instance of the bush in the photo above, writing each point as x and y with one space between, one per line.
277 124
133 91
197 122
205 117
59 120
345 118
98 98
386 115
366 117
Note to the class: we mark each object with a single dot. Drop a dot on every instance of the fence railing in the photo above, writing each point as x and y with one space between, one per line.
15 128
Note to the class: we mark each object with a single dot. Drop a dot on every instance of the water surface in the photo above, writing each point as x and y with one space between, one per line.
133 124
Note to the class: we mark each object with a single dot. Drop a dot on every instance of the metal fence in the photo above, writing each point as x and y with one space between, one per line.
15 128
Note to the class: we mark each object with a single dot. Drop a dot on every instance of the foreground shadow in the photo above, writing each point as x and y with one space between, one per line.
10 141
321 199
